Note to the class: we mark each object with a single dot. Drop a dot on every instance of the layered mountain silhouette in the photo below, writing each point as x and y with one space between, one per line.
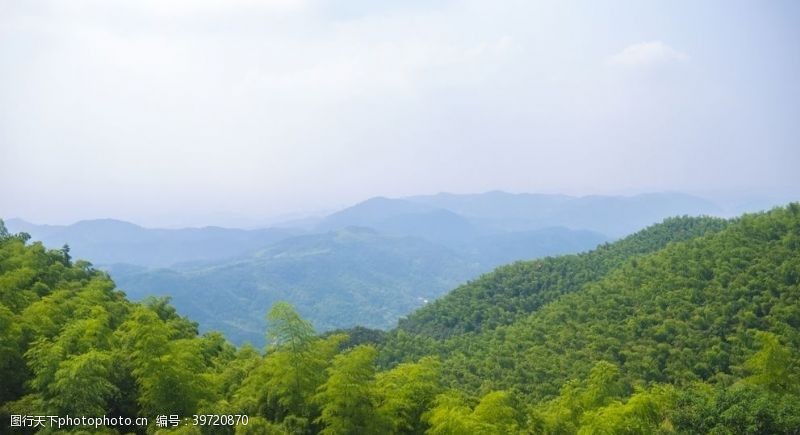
368 264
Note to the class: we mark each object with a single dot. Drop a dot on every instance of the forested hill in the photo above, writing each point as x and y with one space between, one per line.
700 336
502 296
691 315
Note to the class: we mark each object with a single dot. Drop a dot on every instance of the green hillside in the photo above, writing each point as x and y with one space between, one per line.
502 296
339 279
682 314
700 336
692 316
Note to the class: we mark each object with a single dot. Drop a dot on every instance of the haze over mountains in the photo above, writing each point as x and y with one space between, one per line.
369 264
109 241
492 212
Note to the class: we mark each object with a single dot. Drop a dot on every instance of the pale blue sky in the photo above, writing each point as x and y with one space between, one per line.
199 112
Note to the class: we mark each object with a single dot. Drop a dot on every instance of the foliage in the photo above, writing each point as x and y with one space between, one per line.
348 398
451 415
511 292
644 336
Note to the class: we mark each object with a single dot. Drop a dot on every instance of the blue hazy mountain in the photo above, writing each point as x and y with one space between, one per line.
108 241
497 212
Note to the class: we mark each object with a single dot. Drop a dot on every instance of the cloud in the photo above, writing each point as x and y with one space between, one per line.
272 106
647 54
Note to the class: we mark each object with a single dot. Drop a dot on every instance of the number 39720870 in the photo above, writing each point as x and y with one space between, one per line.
220 420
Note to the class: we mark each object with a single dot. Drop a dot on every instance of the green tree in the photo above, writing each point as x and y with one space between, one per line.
348 398
286 328
495 414
406 392
82 385
563 414
169 373
291 334
12 365
452 415
645 412
773 366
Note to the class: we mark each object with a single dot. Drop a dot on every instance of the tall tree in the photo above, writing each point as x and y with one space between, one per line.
405 393
169 373
348 398
289 371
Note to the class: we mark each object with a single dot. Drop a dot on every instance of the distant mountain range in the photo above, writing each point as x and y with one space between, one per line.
368 264
109 241
614 216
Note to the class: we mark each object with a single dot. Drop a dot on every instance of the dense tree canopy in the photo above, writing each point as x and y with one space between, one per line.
691 326
510 292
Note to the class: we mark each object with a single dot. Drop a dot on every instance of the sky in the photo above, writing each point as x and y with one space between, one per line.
235 112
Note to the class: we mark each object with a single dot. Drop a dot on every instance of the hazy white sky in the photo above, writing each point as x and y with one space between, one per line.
207 111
